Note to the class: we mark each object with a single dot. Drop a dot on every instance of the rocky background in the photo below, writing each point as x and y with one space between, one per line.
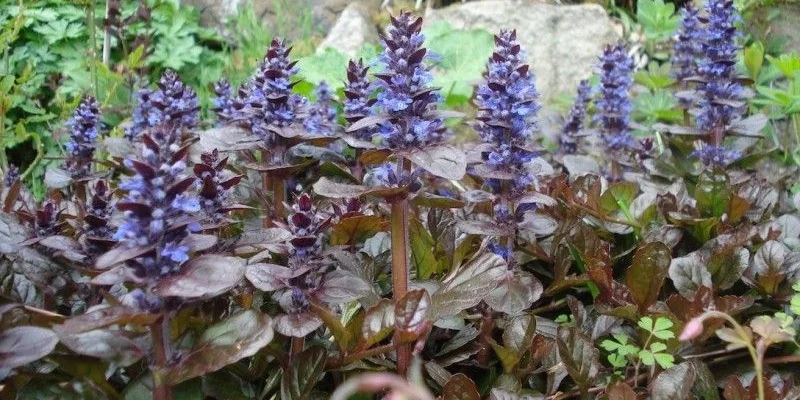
562 40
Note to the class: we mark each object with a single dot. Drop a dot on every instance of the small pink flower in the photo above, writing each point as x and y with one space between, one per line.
692 330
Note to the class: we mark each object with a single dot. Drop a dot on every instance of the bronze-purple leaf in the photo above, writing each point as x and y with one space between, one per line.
206 276
222 344
646 274
411 315
24 344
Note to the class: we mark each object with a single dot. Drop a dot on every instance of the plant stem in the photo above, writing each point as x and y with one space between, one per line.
107 36
296 347
279 196
350 358
159 332
754 355
399 228
265 186
400 265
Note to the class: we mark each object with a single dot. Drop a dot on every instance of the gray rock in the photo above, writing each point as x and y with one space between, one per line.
562 42
351 31
784 26
290 18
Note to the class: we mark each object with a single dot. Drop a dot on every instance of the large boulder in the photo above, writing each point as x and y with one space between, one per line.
351 31
784 26
563 42
292 17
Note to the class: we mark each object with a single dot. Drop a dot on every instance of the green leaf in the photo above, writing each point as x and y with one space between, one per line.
461 66
646 274
175 52
664 360
646 357
222 344
660 106
754 59
619 195
328 65
24 344
422 246
655 77
299 379
713 194
662 327
657 18
787 64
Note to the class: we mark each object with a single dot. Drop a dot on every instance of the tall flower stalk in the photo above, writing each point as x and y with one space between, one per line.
408 121
83 135
573 128
358 104
720 102
159 213
614 105
268 107
507 103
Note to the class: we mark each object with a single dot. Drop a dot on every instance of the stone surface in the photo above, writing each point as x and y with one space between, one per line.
351 31
290 18
784 26
562 42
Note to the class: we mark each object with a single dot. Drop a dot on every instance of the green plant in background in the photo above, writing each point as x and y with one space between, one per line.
781 100
657 18
623 352
458 66
51 56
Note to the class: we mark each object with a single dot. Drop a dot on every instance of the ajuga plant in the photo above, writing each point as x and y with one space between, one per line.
507 103
280 120
573 128
172 102
84 127
359 99
720 103
322 114
614 103
216 184
223 101
533 275
687 48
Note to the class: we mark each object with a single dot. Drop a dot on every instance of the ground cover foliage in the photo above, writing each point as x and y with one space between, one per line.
329 240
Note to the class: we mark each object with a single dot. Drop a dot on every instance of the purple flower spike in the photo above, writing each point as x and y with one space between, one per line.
267 102
688 44
358 98
507 103
159 207
614 105
172 103
321 118
83 136
571 132
223 101
405 95
720 102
